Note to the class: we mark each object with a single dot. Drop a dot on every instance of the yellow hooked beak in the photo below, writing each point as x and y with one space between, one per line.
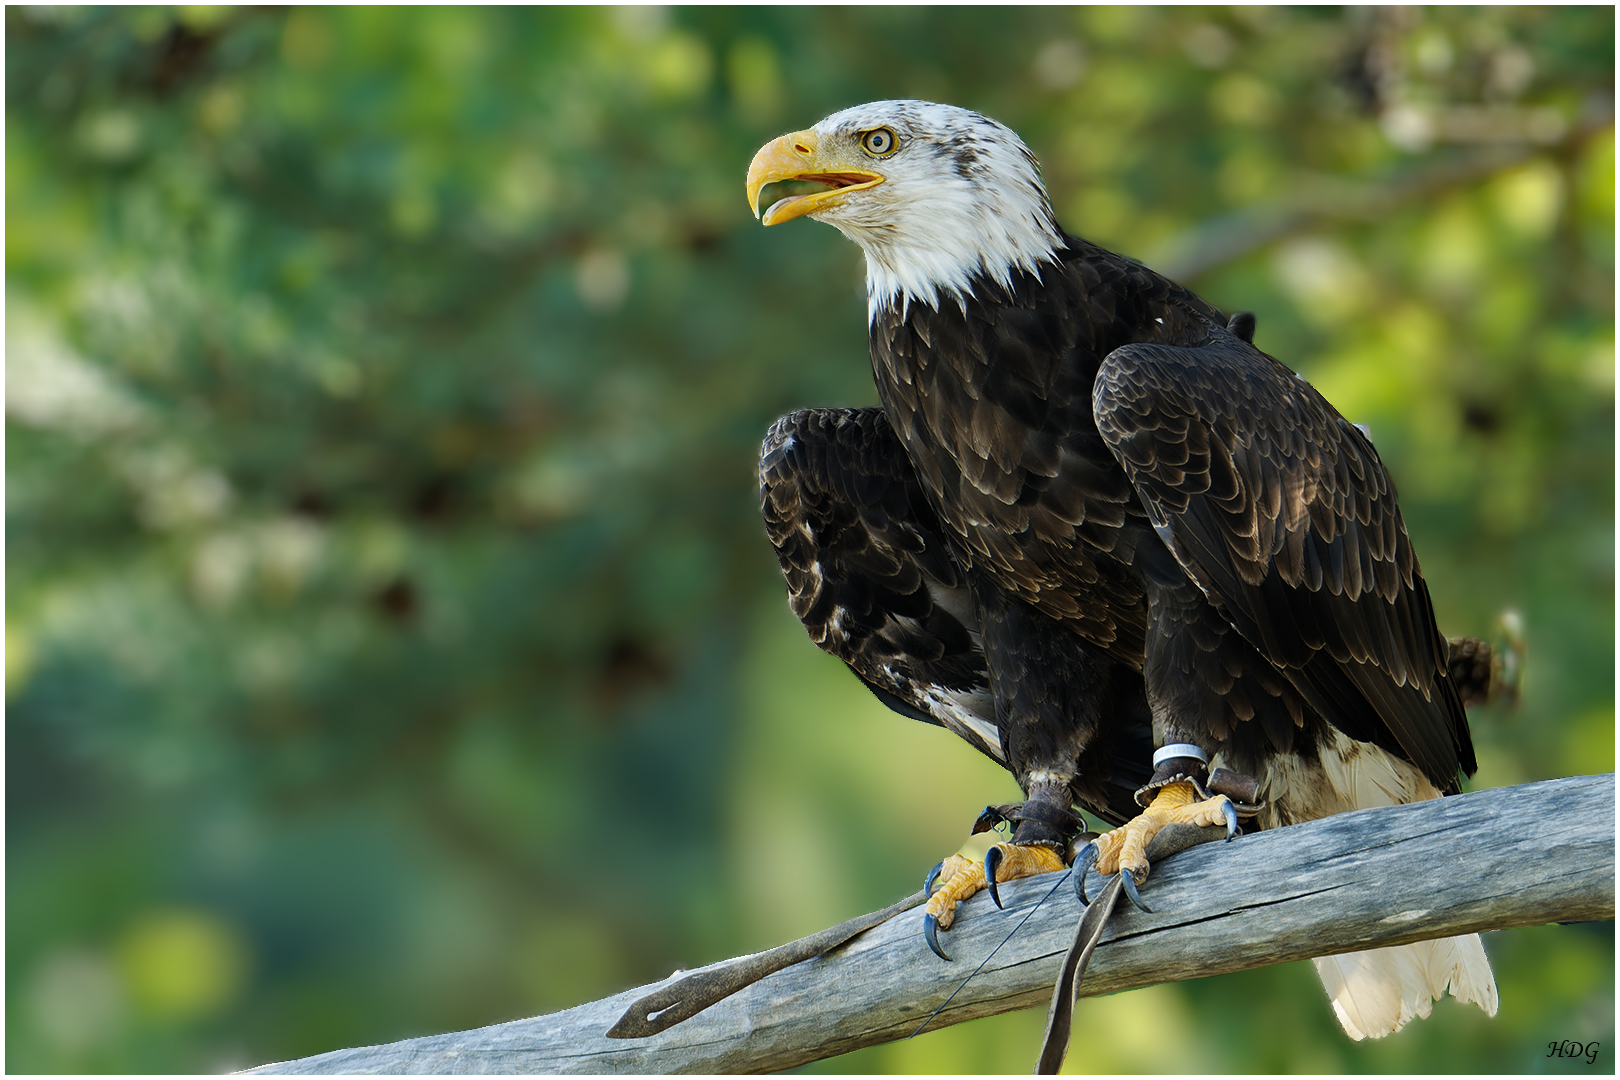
796 157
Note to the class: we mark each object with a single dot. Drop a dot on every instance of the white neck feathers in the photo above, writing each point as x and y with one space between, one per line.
962 200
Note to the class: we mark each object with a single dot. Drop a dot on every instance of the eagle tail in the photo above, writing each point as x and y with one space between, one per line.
1375 993
1379 991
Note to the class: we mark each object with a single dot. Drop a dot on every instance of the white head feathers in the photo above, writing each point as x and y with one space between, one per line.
962 198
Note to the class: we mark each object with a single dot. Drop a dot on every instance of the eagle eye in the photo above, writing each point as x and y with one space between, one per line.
879 142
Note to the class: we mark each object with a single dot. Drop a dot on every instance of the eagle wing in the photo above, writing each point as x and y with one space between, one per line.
1282 513
866 573
872 579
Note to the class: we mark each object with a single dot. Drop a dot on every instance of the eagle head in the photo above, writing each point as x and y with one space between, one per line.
938 197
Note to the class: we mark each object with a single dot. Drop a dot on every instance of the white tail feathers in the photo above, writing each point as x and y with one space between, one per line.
1375 993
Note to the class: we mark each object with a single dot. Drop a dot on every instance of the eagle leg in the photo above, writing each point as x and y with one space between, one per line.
1125 848
960 877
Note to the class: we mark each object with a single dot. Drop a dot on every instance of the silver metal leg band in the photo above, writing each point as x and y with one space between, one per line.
1180 749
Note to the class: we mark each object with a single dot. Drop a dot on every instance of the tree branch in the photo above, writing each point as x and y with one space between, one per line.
1333 199
1489 860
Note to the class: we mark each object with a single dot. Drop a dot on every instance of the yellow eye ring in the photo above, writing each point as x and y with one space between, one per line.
880 142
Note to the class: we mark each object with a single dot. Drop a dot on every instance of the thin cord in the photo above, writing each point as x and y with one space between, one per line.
993 952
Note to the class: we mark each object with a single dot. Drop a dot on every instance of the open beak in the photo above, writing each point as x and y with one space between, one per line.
796 157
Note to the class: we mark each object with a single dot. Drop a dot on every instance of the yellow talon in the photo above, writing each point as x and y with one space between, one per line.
1126 846
961 877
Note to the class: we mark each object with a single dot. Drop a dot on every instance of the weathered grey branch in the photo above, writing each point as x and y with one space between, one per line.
1489 860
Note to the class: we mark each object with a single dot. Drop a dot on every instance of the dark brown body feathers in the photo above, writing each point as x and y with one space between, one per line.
1092 516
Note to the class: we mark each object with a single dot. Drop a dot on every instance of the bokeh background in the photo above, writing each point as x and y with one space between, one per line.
392 645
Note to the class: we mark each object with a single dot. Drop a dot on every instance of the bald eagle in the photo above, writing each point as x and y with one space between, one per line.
1099 535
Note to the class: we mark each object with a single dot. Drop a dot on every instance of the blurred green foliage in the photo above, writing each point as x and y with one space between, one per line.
391 642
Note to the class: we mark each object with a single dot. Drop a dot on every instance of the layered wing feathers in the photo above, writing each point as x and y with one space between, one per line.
866 572
872 579
1281 511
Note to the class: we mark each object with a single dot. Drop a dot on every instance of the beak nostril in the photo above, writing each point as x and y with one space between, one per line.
801 148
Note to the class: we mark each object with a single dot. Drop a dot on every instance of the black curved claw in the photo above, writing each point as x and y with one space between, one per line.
933 876
992 859
1128 879
931 935
1084 860
1230 813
